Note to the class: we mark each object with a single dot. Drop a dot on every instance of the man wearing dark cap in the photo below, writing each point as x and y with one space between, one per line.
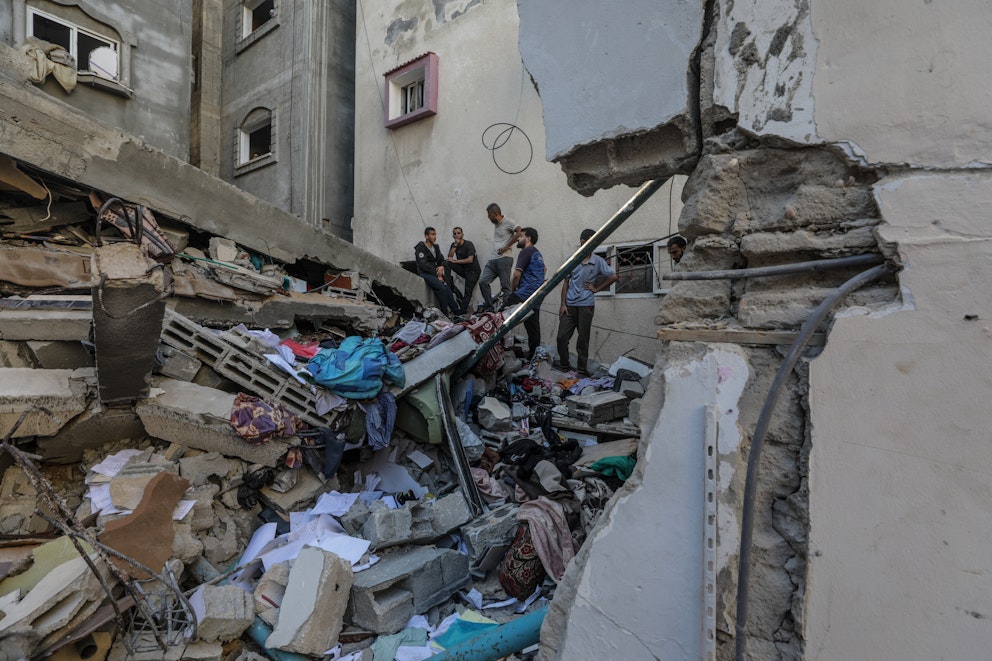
578 300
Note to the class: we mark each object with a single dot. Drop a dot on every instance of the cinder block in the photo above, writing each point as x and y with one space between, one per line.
178 365
414 522
405 583
227 612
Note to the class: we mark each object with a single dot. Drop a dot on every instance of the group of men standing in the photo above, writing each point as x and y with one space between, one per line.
518 282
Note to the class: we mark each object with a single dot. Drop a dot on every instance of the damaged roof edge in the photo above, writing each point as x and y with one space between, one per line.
34 128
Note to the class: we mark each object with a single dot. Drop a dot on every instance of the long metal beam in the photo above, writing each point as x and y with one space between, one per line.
586 249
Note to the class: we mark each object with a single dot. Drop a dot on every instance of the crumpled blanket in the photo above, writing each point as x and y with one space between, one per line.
602 382
550 534
257 420
50 59
489 487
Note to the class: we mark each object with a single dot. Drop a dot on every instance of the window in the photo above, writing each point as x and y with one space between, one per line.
256 140
411 91
255 14
92 53
639 266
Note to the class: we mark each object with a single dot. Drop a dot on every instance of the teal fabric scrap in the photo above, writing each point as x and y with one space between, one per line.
619 467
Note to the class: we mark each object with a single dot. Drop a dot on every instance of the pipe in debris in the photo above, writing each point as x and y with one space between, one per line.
260 631
501 641
586 249
757 442
868 259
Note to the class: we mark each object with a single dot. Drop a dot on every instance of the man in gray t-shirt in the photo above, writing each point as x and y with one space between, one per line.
500 264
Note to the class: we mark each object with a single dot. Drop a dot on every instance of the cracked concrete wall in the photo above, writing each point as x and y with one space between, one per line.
833 128
437 172
157 37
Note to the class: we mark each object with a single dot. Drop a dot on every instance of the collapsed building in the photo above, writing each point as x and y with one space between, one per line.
854 474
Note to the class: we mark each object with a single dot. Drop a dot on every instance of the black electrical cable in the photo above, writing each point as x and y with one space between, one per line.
757 442
501 139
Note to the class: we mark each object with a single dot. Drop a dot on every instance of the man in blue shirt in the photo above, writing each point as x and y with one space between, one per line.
578 300
528 275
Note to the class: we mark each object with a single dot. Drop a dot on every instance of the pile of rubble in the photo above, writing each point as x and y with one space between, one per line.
349 487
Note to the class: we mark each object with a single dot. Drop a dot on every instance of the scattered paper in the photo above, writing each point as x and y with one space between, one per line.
112 465
182 509
419 458
334 503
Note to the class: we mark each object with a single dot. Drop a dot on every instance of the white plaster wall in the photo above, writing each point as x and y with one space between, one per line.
907 82
901 468
436 171
577 61
644 573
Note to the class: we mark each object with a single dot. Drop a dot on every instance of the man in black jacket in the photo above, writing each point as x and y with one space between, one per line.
430 267
463 261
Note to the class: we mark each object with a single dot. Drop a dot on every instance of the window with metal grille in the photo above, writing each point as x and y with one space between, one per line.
638 267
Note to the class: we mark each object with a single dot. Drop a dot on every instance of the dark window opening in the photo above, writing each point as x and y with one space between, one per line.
261 14
86 44
52 31
413 97
260 141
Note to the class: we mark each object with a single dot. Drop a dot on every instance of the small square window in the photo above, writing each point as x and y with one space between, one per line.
411 91
635 264
255 15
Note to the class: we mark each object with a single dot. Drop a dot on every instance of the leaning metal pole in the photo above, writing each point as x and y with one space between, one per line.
586 249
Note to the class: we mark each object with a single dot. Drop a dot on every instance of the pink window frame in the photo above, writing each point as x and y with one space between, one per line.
428 63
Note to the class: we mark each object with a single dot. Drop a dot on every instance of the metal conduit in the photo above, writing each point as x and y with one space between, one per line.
535 299
761 430
869 259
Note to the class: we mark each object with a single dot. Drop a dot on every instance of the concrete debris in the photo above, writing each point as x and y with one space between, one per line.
185 440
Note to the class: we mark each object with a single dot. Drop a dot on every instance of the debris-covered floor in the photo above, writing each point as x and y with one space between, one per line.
348 481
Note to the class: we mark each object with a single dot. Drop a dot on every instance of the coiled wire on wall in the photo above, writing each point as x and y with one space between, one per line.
499 141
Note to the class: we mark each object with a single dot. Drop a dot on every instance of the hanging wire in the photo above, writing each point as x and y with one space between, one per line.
502 137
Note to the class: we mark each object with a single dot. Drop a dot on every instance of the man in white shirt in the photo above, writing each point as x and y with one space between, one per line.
500 264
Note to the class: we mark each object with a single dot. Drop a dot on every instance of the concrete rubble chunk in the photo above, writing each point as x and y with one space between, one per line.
179 366
271 588
598 407
199 417
492 530
494 415
195 651
198 469
312 611
405 583
413 522
63 392
146 534
66 595
227 611
59 354
631 389
92 428
437 359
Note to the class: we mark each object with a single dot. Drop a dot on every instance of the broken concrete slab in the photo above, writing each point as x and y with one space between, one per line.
200 418
312 610
198 469
405 583
146 534
195 651
491 530
426 365
94 427
62 392
223 612
270 590
44 559
48 318
59 355
631 389
64 596
494 415
128 307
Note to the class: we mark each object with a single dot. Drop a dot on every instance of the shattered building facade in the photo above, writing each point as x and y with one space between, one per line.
808 130
812 468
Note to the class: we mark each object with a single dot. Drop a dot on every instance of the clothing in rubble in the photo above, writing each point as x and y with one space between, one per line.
357 368
257 420
521 570
380 416
549 533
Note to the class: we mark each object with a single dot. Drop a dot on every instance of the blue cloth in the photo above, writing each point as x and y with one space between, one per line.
590 271
357 368
531 264
380 417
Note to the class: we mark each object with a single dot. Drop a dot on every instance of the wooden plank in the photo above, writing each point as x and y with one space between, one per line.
37 219
735 336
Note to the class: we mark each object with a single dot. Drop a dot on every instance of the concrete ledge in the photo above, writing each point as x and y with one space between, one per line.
63 392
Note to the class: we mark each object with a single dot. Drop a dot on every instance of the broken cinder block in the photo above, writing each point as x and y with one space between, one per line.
227 611
598 407
406 583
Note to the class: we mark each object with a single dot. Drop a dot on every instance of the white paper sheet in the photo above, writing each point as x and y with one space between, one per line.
112 465
334 503
264 534
182 509
419 458
286 367
345 546
100 501
397 479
